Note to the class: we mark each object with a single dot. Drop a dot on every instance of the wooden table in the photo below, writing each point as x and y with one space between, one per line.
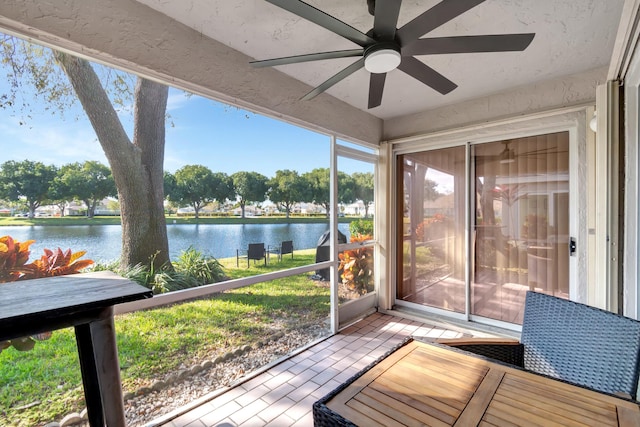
424 384
84 301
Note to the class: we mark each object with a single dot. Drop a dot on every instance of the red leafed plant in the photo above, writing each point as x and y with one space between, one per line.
55 263
13 256
424 229
13 267
356 266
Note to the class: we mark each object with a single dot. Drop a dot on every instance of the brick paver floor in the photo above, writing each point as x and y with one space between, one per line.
284 394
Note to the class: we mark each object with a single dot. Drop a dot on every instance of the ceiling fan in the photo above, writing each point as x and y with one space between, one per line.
385 47
509 155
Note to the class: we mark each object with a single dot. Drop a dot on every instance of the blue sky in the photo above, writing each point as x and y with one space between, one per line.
199 131
227 138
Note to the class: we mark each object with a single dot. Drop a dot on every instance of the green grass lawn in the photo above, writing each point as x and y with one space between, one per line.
157 341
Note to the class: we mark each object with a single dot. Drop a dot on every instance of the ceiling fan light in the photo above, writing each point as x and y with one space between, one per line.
507 156
382 61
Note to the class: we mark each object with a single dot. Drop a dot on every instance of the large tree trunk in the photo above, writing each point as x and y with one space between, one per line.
137 166
91 207
32 206
486 200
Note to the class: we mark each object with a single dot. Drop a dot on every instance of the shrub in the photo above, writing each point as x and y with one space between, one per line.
203 268
169 281
115 267
56 263
361 227
432 228
13 256
143 275
191 269
13 267
356 266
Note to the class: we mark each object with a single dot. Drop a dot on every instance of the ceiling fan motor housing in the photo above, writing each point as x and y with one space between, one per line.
382 57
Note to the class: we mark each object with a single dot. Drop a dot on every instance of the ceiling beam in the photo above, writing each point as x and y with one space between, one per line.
128 35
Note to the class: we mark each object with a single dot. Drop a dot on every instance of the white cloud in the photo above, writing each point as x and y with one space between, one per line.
50 144
177 100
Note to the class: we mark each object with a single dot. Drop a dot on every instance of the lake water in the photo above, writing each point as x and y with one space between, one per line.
103 242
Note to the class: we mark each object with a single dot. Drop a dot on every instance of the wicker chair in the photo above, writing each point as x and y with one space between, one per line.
573 342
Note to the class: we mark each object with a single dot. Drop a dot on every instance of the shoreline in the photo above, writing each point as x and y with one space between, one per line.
170 220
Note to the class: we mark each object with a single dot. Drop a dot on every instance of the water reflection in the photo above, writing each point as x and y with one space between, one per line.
103 242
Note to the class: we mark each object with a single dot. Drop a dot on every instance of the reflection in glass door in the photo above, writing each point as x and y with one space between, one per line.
519 225
431 269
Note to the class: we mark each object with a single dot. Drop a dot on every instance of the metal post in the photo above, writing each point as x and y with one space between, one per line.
333 226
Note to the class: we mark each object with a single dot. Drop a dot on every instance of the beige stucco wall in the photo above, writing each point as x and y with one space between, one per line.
574 90
129 35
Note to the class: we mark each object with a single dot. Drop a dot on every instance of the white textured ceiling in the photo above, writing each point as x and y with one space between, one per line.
571 36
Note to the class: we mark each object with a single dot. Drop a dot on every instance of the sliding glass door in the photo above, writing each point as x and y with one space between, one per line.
513 198
521 223
432 224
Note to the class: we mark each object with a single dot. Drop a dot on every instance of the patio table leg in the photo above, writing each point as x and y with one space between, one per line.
100 369
108 369
89 375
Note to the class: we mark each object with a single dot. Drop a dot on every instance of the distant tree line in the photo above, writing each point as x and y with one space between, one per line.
34 184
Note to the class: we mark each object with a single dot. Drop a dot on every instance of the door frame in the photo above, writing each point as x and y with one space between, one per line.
350 311
572 120
631 260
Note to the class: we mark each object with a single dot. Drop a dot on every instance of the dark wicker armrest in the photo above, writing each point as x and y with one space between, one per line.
502 349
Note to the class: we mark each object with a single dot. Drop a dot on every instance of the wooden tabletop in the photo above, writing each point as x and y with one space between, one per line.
423 384
66 300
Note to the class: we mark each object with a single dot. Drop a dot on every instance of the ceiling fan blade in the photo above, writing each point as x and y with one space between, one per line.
469 44
439 14
386 19
426 75
317 16
542 152
376 87
335 79
486 158
306 58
